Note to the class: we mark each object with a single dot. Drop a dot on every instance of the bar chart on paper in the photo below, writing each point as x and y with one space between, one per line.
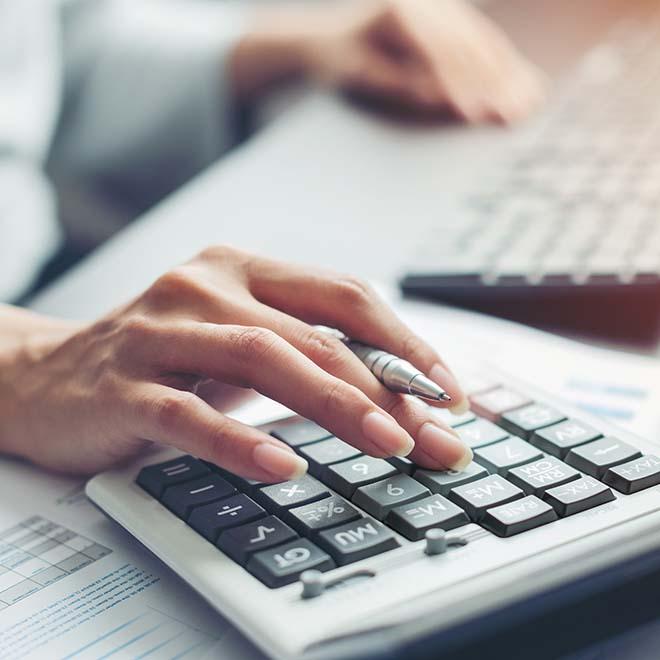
36 553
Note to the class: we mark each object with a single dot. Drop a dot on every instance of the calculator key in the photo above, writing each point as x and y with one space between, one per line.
323 453
478 496
518 516
347 476
535 478
412 520
240 542
502 456
283 564
300 432
635 475
377 499
156 478
452 420
559 439
291 493
357 540
402 463
596 457
442 481
493 403
524 421
242 483
481 432
182 499
211 519
578 495
329 512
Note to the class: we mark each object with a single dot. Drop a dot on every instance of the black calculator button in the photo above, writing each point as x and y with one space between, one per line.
156 478
502 456
357 540
182 499
240 542
578 495
300 432
211 519
328 512
442 481
596 457
493 403
481 432
478 496
535 478
412 520
284 563
524 421
324 453
518 516
634 475
291 493
559 439
402 463
377 499
347 476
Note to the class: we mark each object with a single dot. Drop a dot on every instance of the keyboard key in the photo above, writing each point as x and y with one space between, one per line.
494 403
240 542
323 453
524 421
347 476
402 463
502 456
452 420
283 564
596 457
481 432
559 439
518 516
442 481
535 478
578 495
635 475
476 497
357 540
412 520
300 432
329 512
377 499
182 499
291 493
211 519
156 478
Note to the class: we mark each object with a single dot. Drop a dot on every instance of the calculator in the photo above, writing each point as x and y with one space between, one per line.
365 548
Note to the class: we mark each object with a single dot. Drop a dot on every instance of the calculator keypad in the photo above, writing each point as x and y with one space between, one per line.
532 465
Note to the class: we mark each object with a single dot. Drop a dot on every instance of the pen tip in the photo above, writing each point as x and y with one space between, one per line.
444 397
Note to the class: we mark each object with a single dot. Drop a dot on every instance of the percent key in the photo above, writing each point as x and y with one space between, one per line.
320 515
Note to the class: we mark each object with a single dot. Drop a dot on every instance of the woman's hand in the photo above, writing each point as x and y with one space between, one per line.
82 399
423 55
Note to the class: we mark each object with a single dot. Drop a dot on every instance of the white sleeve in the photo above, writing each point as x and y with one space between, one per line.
152 103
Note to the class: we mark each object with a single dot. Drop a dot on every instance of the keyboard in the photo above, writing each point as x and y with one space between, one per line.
571 215
362 544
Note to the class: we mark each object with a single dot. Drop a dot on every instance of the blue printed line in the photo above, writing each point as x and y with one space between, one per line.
100 639
159 646
606 411
186 651
130 641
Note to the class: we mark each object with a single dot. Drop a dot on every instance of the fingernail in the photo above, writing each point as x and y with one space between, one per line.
279 461
444 447
387 434
460 408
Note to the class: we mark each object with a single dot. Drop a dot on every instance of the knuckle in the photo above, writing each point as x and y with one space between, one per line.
353 292
216 252
253 343
412 346
173 285
337 398
138 329
325 350
171 408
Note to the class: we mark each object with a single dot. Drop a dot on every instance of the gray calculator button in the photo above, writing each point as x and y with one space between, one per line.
518 516
442 481
452 420
535 478
240 542
288 494
402 463
481 432
323 453
524 421
300 432
478 496
493 403
412 520
357 540
328 512
559 439
347 476
182 499
283 564
635 475
596 457
211 519
578 495
378 498
502 456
